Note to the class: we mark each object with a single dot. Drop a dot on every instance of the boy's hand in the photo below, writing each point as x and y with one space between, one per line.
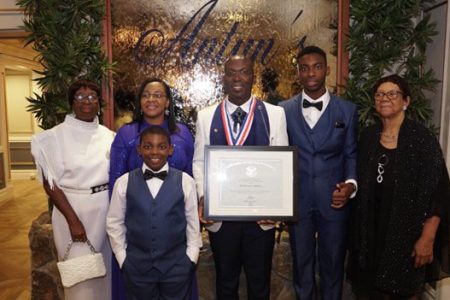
201 205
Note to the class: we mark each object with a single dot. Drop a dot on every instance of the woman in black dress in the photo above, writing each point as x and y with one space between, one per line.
399 236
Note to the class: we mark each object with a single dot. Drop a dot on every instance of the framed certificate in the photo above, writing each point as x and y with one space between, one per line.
250 183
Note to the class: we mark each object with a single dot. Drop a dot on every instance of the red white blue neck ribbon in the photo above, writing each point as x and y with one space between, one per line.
244 129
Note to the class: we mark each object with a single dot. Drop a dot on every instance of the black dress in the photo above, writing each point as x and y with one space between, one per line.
388 214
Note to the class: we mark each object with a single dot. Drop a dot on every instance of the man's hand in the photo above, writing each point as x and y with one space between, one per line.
341 194
266 222
201 205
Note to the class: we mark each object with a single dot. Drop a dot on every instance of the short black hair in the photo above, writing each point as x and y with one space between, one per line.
82 83
395 79
157 130
312 50
137 116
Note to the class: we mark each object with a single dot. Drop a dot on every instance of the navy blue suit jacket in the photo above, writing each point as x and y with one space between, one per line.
326 153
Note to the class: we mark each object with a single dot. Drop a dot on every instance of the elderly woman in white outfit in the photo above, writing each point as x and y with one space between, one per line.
73 163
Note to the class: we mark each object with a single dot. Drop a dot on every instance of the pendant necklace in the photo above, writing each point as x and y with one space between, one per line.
383 160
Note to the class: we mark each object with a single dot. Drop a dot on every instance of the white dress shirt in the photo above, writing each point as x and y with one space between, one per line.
231 107
312 114
115 221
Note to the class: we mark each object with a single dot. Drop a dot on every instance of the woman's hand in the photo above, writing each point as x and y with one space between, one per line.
77 231
423 252
57 196
423 249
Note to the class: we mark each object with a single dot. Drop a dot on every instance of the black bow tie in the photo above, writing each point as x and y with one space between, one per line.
317 105
149 175
238 117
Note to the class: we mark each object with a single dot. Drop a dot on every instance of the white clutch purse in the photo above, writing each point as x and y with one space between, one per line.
79 269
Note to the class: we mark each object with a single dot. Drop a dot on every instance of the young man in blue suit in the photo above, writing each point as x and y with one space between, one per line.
240 119
324 128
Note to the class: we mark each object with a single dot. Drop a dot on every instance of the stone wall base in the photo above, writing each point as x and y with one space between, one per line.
45 279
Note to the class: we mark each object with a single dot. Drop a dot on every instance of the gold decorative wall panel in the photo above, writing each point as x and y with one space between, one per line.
187 42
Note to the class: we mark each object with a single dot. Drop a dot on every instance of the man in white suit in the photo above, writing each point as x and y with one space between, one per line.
240 119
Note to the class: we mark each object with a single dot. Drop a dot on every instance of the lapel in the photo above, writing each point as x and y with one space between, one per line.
260 130
216 131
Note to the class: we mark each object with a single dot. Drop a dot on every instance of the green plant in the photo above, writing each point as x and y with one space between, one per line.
389 37
66 34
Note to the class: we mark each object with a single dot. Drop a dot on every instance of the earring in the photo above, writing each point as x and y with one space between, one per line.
404 107
166 111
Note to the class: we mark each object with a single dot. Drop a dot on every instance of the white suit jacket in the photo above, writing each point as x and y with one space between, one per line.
278 137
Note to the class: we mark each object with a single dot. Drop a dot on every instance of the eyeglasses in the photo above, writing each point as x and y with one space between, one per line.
156 96
391 95
89 98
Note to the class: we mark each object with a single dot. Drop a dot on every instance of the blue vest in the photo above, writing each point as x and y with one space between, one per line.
156 227
320 132
259 132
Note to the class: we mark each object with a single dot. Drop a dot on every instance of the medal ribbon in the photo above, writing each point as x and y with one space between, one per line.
244 129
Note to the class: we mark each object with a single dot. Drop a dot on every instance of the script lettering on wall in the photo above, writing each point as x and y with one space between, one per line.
187 42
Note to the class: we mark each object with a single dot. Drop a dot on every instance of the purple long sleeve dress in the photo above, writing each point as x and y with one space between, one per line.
124 158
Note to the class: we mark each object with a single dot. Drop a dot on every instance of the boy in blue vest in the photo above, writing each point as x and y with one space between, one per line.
153 224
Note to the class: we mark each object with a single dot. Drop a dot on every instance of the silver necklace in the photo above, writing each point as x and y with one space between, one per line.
383 160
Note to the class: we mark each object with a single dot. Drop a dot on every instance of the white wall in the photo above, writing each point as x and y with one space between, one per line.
438 58
20 121
445 116
10 15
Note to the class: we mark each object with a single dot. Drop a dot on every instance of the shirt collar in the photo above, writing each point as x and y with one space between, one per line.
164 168
231 107
325 98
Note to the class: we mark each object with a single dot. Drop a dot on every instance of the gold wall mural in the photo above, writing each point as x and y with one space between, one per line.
187 42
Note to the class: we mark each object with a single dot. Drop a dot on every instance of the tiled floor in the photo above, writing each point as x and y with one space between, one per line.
16 216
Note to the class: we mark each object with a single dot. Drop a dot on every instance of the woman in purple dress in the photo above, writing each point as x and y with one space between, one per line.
154 106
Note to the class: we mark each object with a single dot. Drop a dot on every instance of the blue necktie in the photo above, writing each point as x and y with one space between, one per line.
238 117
